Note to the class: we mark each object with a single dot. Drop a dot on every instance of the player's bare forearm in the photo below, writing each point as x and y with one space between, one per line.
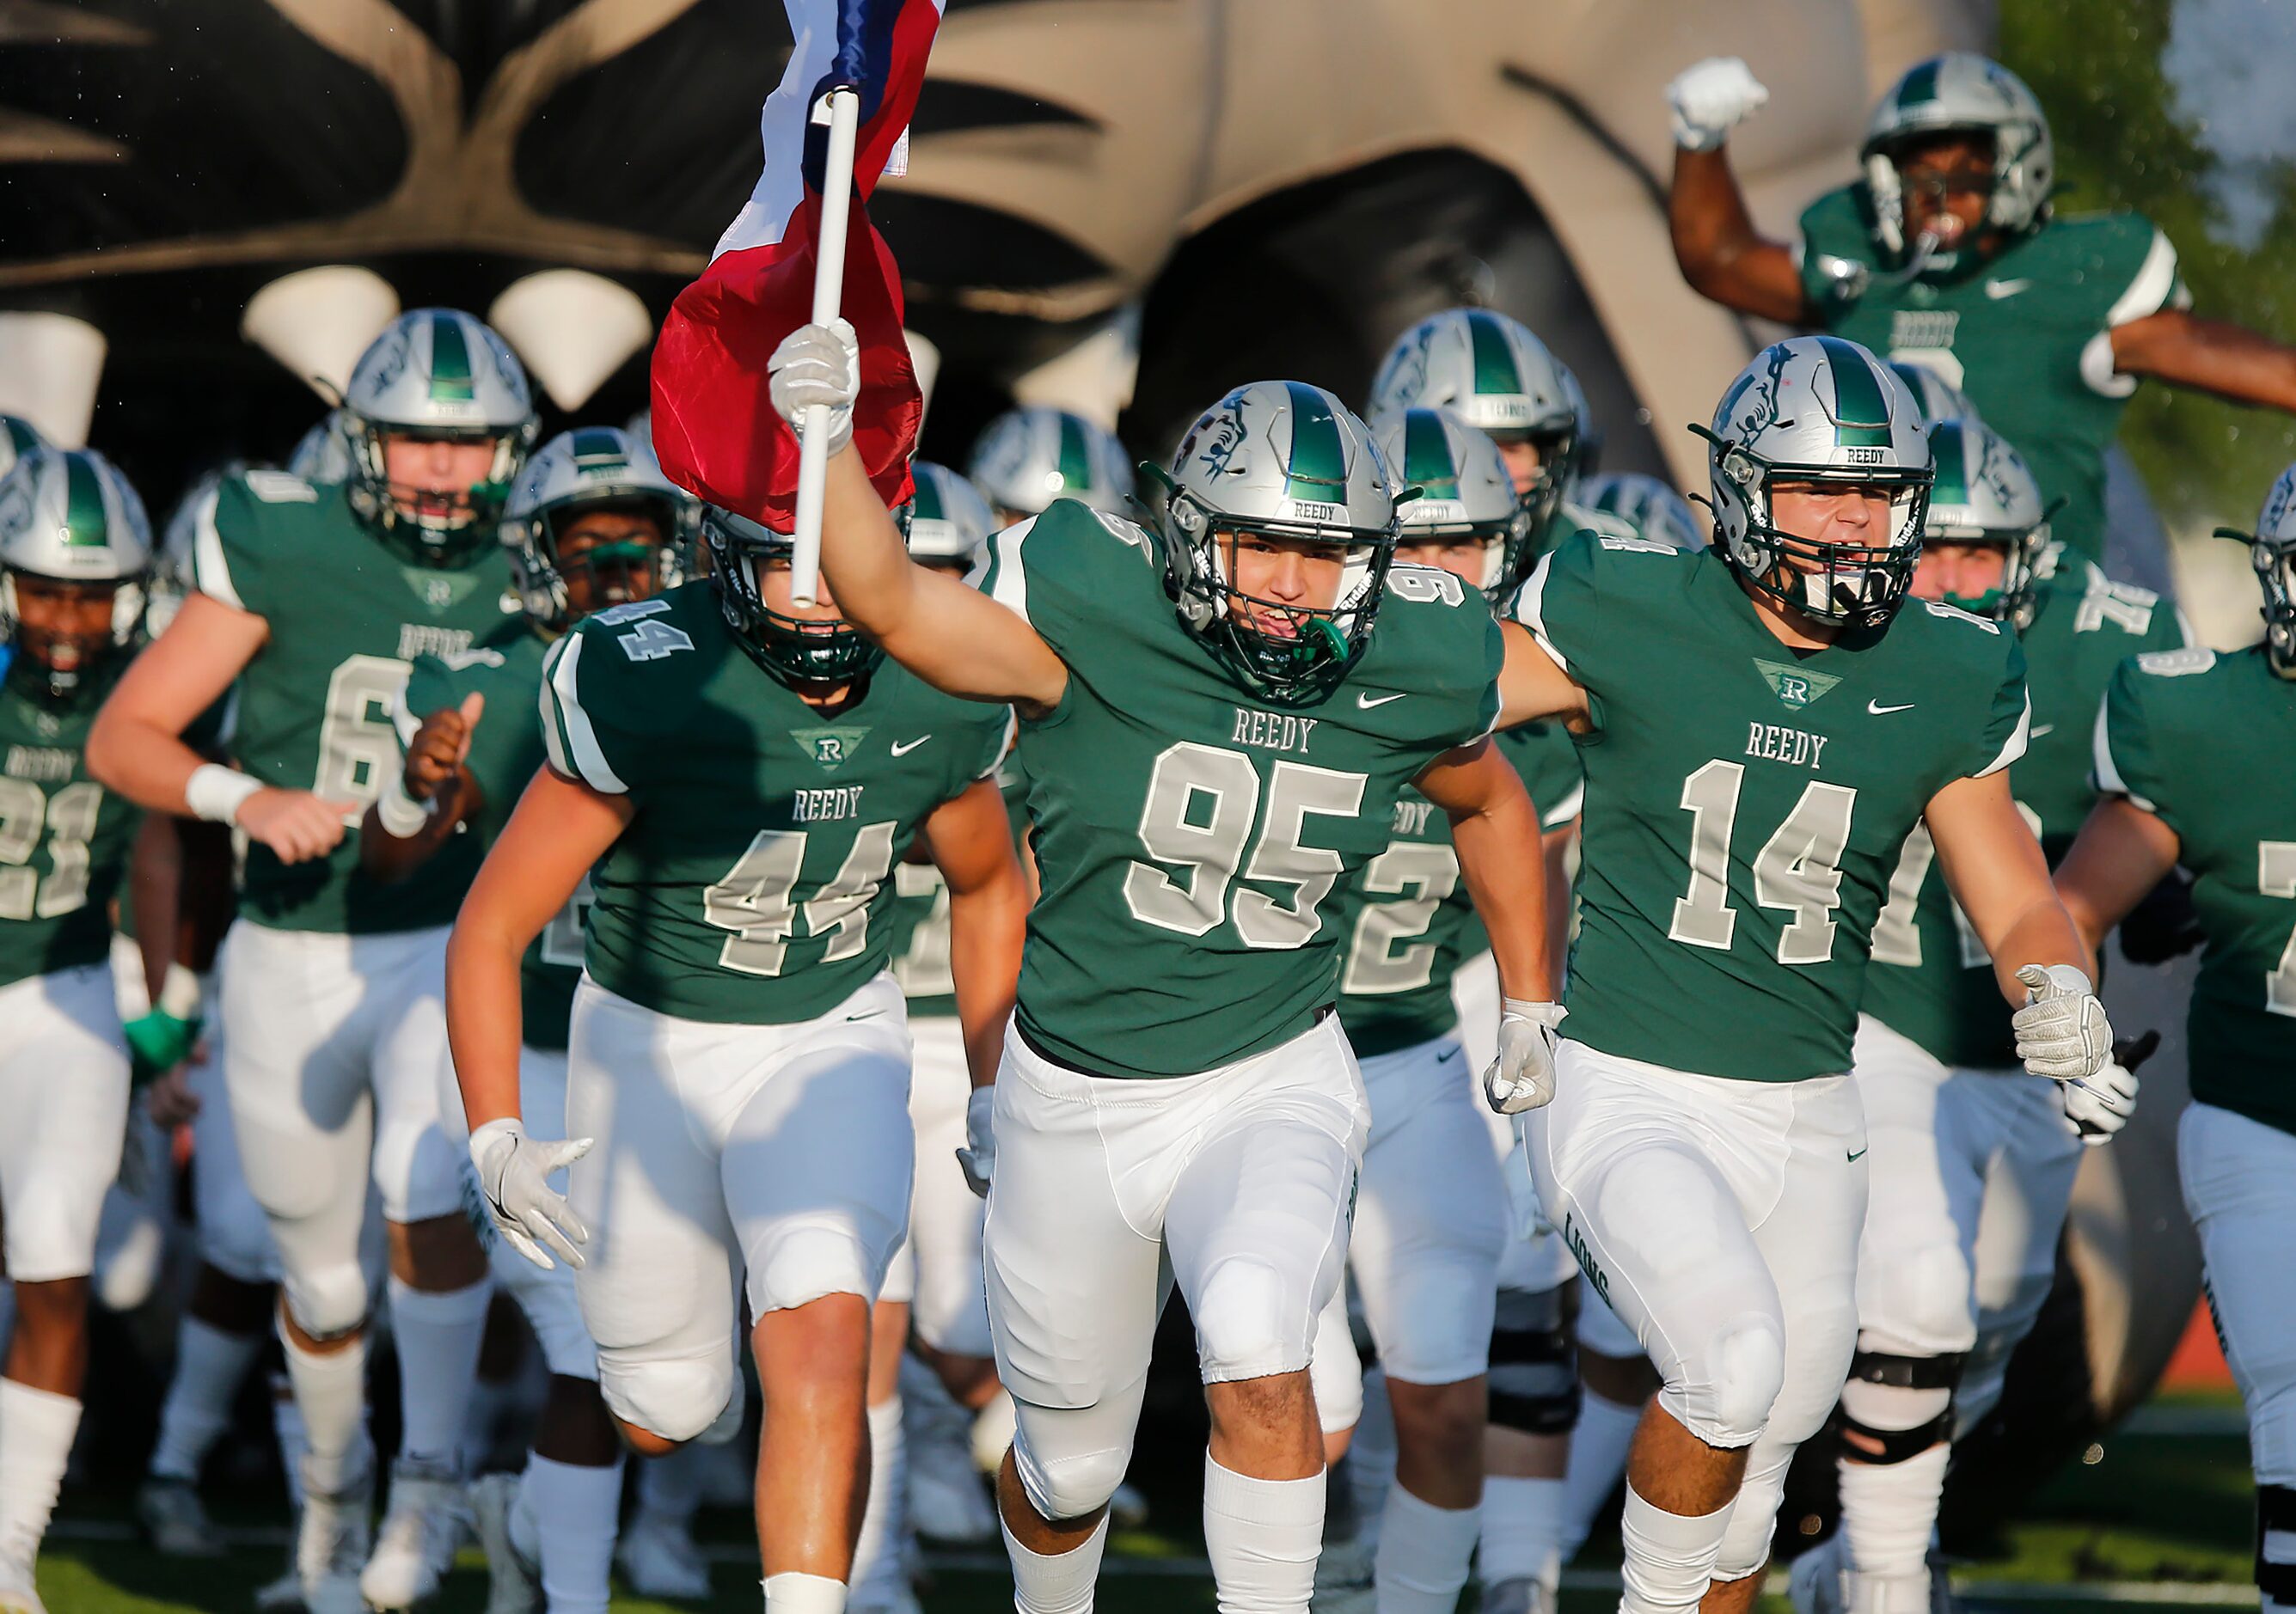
559 830
1554 858
135 748
1533 686
1722 255
987 918
2209 356
952 636
1996 871
1494 830
2121 853
155 876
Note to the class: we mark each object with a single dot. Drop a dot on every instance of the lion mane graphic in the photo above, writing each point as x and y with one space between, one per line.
1124 207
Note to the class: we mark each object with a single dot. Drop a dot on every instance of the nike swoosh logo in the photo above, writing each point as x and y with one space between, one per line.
1860 1154
2040 729
873 1013
1367 701
1444 1059
1880 710
1998 288
903 748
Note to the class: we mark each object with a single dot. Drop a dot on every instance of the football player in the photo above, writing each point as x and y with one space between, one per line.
1949 253
1947 1119
1761 726
316 600
1214 740
1026 458
1645 503
590 524
75 547
2191 760
742 772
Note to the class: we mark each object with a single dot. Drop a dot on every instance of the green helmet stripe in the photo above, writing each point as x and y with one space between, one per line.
928 506
1076 455
1495 374
1947 452
1427 454
1861 409
1920 87
597 443
1318 471
450 362
85 526
22 438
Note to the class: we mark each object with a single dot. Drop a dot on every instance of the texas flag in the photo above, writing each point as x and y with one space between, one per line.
714 426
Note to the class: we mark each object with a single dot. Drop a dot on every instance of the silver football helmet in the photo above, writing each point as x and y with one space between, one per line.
1961 91
322 454
581 470
170 583
1499 377
1985 493
436 374
1026 458
1288 461
2272 549
70 524
947 520
1647 504
1818 409
1938 399
1464 491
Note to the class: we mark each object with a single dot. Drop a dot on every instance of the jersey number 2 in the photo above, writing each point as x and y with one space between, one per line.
70 820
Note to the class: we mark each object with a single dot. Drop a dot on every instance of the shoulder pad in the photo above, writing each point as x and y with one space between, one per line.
2176 663
278 487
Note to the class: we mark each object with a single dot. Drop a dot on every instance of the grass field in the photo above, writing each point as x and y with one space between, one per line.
2160 1517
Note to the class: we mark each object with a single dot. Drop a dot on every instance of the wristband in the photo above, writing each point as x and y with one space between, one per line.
215 792
180 993
400 813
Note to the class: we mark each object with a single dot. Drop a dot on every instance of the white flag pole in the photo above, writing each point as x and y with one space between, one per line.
843 115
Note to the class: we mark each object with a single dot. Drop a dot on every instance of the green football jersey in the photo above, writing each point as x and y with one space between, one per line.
1932 979
505 750
1746 802
754 883
2026 334
64 839
1190 838
347 619
918 919
2202 740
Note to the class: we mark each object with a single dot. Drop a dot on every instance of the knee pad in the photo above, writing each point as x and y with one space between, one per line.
1920 1300
1896 1407
676 1398
1730 1387
1070 1459
2276 1542
1336 1374
802 1263
420 1173
328 1299
1533 1372
1251 1321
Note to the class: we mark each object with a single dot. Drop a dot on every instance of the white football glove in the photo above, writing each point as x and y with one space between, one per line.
1523 1077
2062 1030
2099 1106
514 1175
818 364
1710 98
978 1159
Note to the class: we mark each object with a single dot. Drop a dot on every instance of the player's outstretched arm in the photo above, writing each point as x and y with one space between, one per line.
951 636
2209 356
136 746
1722 255
434 792
1533 686
2121 854
1995 870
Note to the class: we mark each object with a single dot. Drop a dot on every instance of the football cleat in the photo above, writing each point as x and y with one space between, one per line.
173 1521
658 1557
1522 1595
513 1579
425 1522
330 1546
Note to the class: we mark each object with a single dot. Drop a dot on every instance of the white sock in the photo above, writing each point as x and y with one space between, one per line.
1424 1551
878 1572
330 1393
1670 1557
36 1439
669 1487
1599 1443
1371 1457
1888 1511
1521 1530
209 1365
1263 1537
287 1430
795 1594
572 1509
1055 1583
437 1336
